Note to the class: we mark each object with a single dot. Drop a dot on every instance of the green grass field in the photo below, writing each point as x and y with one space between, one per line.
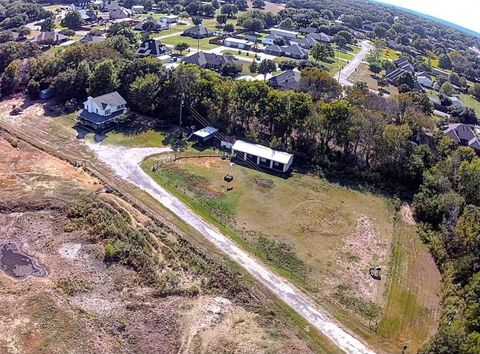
192 42
413 300
472 102
390 54
302 227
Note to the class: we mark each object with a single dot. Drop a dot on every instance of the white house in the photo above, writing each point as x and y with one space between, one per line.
169 19
237 43
284 33
425 80
100 112
261 156
138 9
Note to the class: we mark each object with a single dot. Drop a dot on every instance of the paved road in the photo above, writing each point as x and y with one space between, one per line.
348 70
125 162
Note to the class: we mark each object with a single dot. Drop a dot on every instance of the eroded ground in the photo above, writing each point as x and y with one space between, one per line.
88 305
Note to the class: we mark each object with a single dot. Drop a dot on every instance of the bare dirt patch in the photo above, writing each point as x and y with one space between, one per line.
407 214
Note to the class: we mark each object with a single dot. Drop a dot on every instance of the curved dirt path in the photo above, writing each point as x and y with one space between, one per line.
125 162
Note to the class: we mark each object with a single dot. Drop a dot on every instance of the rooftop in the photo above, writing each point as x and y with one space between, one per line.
262 151
205 132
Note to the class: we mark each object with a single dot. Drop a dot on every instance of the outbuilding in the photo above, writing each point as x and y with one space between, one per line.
261 156
205 134
237 43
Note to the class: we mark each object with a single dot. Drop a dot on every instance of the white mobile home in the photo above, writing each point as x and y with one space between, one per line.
261 156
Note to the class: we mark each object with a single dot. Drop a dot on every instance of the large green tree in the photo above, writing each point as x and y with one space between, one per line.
104 78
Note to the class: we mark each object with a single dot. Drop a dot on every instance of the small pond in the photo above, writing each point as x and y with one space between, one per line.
18 265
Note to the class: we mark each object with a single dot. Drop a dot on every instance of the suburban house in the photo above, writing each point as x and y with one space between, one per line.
100 113
292 51
153 48
237 43
151 25
197 32
50 38
261 156
403 66
109 5
88 15
288 80
270 39
138 9
284 33
209 60
320 37
456 102
307 30
169 19
463 134
205 134
92 39
306 43
81 4
120 13
424 79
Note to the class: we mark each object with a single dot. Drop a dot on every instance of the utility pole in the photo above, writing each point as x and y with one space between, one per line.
182 99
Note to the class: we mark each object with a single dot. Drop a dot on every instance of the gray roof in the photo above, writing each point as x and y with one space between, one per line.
109 99
51 36
321 37
209 59
295 49
152 47
289 80
92 39
199 31
97 118
274 48
463 133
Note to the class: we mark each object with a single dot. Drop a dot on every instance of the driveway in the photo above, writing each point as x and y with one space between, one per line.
125 162
343 75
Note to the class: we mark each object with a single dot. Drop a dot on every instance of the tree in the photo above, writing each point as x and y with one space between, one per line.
376 67
65 85
322 52
476 90
197 20
407 81
104 78
229 27
229 9
320 84
347 35
221 19
469 180
253 67
259 4
144 92
73 20
447 89
122 29
253 24
181 47
6 36
230 69
266 67
380 31
340 40
10 79
444 62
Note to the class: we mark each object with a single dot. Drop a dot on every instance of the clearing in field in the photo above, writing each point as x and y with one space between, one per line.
363 74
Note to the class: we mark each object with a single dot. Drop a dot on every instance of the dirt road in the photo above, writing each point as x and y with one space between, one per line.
125 162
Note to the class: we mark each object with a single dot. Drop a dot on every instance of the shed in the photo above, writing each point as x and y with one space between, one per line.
262 156
205 134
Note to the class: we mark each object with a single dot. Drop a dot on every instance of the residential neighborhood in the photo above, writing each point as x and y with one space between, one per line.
239 176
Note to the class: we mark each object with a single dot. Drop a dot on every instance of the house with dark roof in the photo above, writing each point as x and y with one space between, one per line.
288 80
92 39
464 134
152 48
81 4
403 66
320 37
50 38
210 60
307 30
100 113
120 13
294 51
152 25
306 43
88 15
197 32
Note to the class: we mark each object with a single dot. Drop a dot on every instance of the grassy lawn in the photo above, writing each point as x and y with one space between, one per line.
171 30
235 53
390 54
472 102
413 300
363 74
192 42
149 138
343 55
334 66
